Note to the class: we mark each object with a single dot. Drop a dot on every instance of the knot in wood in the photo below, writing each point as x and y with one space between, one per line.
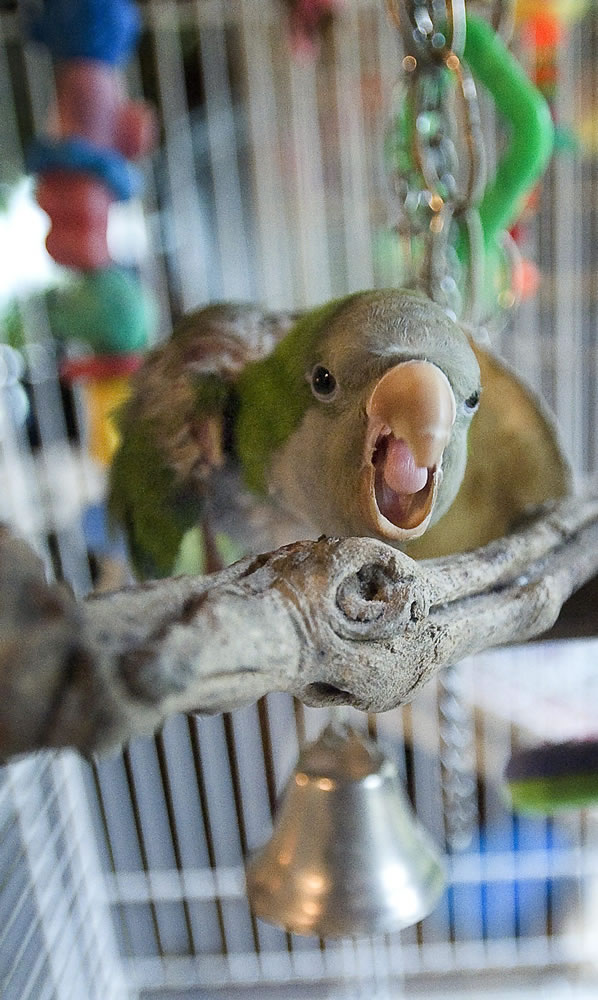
378 599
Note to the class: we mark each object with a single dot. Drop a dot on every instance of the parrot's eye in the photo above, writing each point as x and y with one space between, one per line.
472 402
323 383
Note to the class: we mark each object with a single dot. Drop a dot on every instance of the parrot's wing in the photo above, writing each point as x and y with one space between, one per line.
175 427
515 463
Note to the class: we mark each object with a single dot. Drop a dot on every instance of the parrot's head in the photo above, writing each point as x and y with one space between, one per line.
357 423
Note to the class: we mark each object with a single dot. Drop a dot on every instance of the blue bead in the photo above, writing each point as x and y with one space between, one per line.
76 153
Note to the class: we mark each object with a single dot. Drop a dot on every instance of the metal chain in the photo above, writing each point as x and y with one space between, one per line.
431 28
439 164
439 177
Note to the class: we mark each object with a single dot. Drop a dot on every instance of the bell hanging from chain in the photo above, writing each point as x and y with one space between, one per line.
347 855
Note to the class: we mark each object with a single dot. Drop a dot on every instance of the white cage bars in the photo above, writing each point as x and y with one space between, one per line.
56 936
270 185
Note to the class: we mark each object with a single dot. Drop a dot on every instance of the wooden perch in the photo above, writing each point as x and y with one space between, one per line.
333 622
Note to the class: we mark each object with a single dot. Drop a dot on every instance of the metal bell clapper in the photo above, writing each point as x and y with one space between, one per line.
347 855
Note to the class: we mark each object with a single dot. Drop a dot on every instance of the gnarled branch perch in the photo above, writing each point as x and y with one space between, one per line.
333 621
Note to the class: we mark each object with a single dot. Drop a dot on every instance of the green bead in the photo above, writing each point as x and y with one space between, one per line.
107 309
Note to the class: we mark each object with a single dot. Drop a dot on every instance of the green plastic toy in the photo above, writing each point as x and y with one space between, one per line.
554 777
530 146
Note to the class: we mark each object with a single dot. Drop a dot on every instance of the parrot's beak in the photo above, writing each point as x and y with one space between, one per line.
411 412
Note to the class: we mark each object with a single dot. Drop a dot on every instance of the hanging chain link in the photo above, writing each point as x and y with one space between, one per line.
438 165
438 175
431 28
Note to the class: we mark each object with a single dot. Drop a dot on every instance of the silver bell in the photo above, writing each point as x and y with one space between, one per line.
347 856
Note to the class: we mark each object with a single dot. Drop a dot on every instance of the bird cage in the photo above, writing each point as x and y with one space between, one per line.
124 876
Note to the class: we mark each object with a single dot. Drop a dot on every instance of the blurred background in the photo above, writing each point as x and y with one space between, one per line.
123 877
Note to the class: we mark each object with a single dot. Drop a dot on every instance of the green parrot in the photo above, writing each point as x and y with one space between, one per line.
258 428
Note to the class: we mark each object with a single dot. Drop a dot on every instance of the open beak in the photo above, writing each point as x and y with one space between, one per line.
411 413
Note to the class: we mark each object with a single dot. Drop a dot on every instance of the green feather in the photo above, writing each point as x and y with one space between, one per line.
274 394
143 499
210 393
191 557
154 506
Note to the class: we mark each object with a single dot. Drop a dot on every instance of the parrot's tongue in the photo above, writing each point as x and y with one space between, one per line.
399 470
402 487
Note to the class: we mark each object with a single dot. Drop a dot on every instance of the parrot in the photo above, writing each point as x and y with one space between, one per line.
351 419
